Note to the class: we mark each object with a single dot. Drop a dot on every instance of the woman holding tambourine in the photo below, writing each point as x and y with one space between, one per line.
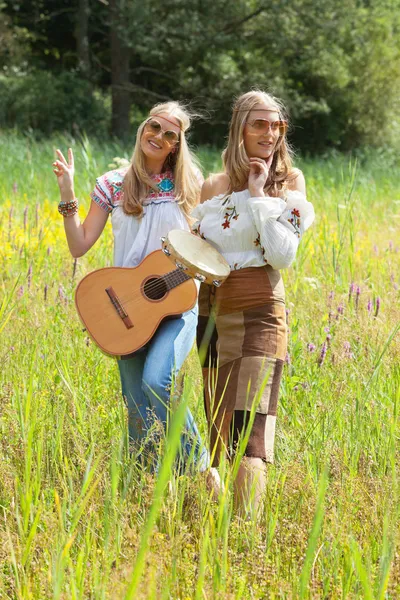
147 199
254 214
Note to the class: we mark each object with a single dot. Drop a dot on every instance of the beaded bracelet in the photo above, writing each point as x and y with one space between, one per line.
69 208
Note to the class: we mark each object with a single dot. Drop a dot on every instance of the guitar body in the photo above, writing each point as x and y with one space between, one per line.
122 308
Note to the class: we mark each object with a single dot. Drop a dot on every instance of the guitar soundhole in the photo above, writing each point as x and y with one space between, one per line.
155 288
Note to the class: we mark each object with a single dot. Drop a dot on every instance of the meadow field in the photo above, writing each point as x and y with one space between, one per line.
80 519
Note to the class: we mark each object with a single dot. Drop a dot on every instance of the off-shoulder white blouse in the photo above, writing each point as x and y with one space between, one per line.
252 232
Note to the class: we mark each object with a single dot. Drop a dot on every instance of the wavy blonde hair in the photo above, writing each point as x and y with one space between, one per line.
235 159
137 181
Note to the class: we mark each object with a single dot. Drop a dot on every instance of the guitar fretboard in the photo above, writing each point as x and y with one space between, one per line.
175 278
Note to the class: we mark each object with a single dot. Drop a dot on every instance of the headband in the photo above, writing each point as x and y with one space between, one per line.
165 119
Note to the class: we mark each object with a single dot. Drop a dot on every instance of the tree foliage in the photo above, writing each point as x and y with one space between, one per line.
335 63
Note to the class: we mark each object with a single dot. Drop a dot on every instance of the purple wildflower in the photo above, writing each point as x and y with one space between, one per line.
46 288
287 310
351 290
391 246
48 250
323 353
25 217
347 350
358 292
20 291
37 215
327 329
310 347
61 293
74 267
328 338
340 309
288 359
29 277
369 306
377 306
10 214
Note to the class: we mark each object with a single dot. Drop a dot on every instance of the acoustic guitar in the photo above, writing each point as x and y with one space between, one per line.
122 308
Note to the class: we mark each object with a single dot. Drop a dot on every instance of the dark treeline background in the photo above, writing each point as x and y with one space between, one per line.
96 66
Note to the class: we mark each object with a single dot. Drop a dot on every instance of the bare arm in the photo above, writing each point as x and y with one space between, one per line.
80 236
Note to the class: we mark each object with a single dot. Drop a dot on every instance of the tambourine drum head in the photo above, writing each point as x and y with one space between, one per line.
198 253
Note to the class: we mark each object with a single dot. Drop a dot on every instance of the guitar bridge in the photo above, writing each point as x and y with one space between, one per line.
116 302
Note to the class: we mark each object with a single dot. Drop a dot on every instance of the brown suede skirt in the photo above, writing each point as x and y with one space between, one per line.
241 337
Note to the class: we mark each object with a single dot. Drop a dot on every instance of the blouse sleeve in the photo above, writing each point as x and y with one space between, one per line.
102 193
197 214
281 225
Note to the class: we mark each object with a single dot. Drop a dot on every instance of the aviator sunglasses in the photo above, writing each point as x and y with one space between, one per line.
263 126
169 136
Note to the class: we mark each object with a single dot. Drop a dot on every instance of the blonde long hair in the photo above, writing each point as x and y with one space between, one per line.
138 183
235 159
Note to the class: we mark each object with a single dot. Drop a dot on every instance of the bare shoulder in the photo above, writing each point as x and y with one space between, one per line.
214 185
296 181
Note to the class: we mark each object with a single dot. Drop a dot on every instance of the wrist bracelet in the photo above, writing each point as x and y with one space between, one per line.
68 208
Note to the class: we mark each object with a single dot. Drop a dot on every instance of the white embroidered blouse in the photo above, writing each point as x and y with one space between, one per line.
252 232
135 238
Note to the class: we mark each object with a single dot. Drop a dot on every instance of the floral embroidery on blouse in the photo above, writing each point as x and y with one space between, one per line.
197 231
108 191
230 213
166 185
295 220
257 242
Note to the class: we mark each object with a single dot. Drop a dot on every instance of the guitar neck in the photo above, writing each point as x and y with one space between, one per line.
175 278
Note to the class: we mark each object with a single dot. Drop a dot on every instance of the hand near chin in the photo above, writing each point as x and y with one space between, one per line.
258 175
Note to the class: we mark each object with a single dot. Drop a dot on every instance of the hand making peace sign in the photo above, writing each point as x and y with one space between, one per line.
64 171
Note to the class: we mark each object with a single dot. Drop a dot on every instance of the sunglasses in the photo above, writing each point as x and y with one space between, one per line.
169 136
263 126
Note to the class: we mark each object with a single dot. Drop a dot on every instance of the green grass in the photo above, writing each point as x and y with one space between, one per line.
79 519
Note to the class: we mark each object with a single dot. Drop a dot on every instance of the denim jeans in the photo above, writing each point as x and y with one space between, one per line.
146 380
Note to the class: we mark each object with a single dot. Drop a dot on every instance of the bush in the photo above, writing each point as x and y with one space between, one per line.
46 103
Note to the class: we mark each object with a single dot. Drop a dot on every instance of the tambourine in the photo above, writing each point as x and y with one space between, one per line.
196 257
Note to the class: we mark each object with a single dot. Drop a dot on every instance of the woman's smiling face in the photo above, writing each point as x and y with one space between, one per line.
260 141
153 144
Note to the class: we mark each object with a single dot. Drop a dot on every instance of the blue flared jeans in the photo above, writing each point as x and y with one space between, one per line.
146 380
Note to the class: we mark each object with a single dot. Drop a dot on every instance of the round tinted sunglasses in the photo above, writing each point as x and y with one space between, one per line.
169 136
263 126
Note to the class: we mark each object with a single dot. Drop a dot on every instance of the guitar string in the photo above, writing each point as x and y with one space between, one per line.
153 288
146 308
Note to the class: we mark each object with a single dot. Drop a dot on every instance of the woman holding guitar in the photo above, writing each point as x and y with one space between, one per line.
254 213
146 200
